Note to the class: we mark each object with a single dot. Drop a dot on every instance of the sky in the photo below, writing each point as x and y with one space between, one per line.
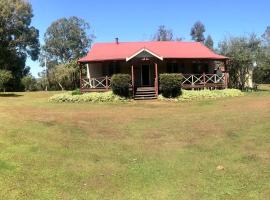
138 20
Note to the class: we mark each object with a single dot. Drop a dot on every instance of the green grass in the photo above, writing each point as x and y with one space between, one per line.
135 150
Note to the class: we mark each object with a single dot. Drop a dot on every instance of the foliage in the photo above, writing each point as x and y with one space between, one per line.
29 82
170 84
209 42
266 35
17 39
86 97
197 32
204 94
5 77
120 84
64 75
163 34
67 39
76 92
243 53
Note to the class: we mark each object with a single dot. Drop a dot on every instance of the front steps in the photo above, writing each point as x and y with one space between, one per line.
145 93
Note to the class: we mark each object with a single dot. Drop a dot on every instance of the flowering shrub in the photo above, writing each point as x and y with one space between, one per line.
204 94
87 97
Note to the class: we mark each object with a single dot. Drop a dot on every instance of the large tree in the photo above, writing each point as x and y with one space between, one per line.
197 32
163 34
18 39
66 40
244 54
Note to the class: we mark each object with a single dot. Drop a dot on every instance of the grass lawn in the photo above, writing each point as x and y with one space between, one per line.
137 150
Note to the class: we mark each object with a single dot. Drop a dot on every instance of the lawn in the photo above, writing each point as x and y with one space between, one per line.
210 149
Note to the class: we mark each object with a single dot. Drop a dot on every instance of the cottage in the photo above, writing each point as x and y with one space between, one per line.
144 61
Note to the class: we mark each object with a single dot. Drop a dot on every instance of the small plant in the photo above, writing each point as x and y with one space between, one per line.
76 92
120 84
170 85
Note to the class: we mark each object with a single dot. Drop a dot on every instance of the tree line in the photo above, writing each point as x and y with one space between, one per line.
68 39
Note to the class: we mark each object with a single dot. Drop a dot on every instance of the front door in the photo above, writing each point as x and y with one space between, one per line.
145 75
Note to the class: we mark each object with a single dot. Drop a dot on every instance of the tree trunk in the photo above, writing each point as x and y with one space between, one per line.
62 88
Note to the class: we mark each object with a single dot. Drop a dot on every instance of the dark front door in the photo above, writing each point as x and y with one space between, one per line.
145 75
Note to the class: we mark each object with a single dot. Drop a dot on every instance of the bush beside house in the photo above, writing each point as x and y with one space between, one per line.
170 85
120 84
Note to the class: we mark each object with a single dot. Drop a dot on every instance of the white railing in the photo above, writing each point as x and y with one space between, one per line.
96 83
200 79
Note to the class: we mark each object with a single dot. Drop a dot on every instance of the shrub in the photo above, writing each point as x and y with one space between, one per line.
86 97
76 92
120 84
170 85
188 95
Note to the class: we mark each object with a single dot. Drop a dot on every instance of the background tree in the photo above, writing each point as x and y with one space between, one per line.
243 53
17 39
5 77
66 40
63 75
29 82
197 32
163 34
266 35
209 42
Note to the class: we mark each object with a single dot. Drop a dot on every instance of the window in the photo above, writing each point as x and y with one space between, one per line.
172 67
114 68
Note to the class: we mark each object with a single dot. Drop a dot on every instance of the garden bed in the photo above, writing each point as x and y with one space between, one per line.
87 97
188 95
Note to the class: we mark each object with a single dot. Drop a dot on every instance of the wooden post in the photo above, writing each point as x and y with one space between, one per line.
156 79
80 78
132 80
226 75
204 80
107 85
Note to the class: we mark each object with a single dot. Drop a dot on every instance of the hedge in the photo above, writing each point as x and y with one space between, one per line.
120 84
170 85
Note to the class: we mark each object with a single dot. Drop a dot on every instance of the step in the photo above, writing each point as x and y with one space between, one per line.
145 98
146 89
145 92
145 95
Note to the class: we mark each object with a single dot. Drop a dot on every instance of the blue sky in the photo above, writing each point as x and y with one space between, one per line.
138 20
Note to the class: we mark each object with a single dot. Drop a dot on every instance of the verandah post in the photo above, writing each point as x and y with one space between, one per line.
204 83
156 79
107 85
132 80
80 77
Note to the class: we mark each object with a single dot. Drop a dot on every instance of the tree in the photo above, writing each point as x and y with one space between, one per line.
197 32
29 82
266 35
5 77
243 53
67 39
63 75
17 39
163 34
209 42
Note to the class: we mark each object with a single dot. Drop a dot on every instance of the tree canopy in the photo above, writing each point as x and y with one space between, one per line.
18 39
163 34
197 32
67 39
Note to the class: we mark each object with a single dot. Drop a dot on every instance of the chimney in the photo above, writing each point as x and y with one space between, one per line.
117 40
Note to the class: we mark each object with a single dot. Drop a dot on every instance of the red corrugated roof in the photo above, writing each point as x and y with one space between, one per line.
168 49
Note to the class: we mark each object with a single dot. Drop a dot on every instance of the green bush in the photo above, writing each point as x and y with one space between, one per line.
188 95
76 92
170 85
120 84
86 97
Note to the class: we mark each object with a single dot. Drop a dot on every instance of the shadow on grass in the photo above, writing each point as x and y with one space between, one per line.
10 95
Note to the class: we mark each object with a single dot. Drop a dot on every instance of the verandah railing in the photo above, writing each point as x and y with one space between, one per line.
188 79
